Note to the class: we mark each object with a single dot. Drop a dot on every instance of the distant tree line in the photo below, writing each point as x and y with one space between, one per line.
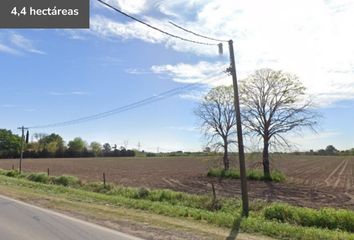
53 146
330 150
182 154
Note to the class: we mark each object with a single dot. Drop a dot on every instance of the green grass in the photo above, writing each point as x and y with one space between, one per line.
168 196
262 220
10 173
38 177
252 174
218 172
65 180
288 231
324 218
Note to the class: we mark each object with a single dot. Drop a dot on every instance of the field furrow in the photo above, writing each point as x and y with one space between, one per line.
313 181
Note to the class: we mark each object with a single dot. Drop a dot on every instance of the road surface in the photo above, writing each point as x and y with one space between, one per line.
21 221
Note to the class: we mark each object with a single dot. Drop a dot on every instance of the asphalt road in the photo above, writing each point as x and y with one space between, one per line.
21 221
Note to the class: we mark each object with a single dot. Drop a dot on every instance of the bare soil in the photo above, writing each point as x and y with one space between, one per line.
313 181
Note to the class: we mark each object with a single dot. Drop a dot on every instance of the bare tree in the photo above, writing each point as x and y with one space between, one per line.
274 103
218 120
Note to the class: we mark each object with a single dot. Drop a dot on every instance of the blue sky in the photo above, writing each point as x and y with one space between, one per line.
50 76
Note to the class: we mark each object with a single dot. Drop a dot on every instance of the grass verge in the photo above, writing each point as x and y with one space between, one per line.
324 218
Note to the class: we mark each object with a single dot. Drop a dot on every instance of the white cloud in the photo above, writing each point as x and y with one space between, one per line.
9 50
136 71
107 28
170 7
8 106
184 128
129 6
75 34
110 29
24 44
301 141
193 95
313 39
204 72
315 140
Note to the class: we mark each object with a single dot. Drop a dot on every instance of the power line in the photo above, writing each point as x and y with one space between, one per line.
153 27
197 34
144 101
134 105
128 107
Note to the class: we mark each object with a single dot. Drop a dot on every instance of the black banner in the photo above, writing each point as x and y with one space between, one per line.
44 14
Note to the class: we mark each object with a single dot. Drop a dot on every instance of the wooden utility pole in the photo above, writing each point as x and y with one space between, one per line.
22 145
241 152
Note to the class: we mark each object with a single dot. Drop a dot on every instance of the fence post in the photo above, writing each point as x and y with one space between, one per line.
104 179
214 193
48 171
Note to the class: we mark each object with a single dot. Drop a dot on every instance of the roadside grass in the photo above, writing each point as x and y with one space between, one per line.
252 174
263 217
324 218
65 180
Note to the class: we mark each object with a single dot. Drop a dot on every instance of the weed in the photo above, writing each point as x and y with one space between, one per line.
252 174
324 218
65 180
38 177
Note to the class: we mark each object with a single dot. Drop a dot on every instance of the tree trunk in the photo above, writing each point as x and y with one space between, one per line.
226 157
266 168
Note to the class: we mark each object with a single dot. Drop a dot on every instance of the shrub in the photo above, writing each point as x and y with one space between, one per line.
252 174
142 192
65 180
123 191
217 172
38 177
278 176
98 187
324 218
12 173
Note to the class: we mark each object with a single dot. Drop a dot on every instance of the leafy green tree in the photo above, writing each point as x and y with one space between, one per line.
331 150
10 144
52 143
76 146
96 148
107 148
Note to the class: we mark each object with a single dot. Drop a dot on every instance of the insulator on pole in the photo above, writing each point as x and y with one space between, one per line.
221 50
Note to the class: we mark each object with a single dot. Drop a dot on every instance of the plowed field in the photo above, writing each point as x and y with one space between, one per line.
314 181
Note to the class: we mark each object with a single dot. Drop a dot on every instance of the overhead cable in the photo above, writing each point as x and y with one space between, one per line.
153 27
197 34
131 106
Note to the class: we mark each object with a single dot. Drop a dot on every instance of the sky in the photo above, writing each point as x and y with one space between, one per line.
54 75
